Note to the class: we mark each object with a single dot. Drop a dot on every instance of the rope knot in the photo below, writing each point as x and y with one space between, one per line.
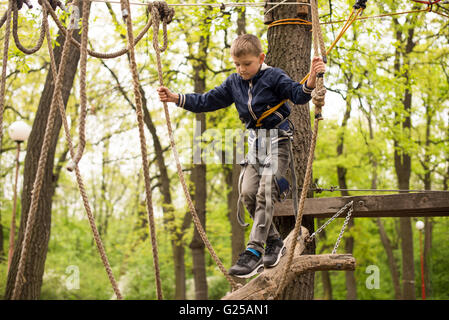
318 96
166 13
53 3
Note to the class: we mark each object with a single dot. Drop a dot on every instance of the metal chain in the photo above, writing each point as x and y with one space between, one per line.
350 207
348 216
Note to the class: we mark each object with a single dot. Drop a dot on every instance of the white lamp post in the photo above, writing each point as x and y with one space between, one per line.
19 131
420 226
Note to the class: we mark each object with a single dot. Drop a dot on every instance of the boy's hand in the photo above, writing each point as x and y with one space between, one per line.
165 95
317 67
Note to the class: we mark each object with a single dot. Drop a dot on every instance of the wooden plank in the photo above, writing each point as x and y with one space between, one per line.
423 204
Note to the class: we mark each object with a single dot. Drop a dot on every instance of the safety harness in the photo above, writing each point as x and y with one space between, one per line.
264 139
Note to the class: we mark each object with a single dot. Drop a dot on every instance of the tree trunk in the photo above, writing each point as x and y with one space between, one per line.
199 175
392 264
2 250
289 48
237 231
197 245
402 159
351 285
40 234
394 270
427 186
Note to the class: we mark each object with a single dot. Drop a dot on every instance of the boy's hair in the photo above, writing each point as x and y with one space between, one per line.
246 44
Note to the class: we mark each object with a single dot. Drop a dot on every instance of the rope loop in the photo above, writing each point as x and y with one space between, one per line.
166 13
160 12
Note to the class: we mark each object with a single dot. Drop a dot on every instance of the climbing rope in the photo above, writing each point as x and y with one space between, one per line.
57 101
156 10
93 53
126 12
16 36
83 96
3 19
4 67
318 96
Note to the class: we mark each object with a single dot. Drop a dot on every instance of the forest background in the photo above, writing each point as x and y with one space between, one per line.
374 66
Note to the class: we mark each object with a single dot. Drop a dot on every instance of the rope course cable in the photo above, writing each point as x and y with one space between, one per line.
210 4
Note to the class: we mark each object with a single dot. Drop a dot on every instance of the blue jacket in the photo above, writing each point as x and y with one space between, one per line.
251 97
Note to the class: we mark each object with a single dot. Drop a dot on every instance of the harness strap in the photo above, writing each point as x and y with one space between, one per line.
294 185
268 112
240 218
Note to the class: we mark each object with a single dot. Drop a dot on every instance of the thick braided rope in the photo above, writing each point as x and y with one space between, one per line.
3 18
16 36
7 16
90 216
83 95
56 100
195 217
93 53
126 11
318 100
20 279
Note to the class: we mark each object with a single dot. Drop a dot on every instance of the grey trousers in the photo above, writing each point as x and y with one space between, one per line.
260 188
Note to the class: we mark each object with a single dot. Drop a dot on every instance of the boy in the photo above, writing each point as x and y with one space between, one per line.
256 88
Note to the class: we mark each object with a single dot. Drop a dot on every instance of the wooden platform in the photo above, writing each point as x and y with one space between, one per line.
423 204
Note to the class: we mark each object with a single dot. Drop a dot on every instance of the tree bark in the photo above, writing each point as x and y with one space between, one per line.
40 235
289 48
402 159
264 286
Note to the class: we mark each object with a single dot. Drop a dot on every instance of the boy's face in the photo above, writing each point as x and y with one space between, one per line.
248 65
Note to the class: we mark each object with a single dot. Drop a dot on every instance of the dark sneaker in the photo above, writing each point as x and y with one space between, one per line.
274 251
247 266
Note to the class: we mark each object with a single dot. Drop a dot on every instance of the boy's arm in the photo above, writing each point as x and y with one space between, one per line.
287 88
297 93
217 98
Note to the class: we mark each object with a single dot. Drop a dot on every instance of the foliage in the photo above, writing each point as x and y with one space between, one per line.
112 165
